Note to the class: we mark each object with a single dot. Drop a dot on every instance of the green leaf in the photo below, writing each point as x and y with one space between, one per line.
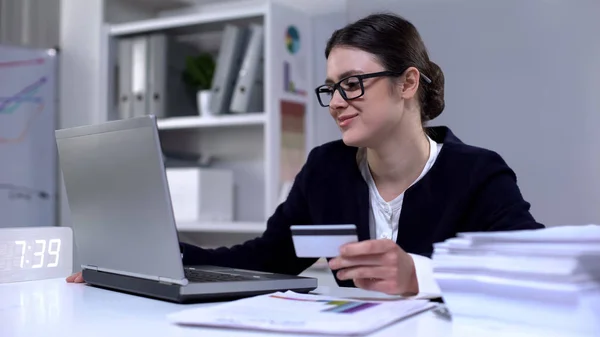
199 71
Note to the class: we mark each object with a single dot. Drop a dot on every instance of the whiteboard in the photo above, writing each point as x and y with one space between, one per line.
28 175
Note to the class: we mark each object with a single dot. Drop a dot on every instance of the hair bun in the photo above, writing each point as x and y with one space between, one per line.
434 92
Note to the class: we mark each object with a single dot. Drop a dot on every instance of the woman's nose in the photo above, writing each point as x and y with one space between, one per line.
337 101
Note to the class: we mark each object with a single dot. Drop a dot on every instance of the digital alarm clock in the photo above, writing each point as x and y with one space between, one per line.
35 253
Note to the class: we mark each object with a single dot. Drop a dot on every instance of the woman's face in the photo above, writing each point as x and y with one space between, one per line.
370 118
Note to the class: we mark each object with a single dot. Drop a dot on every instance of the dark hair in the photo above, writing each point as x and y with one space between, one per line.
397 45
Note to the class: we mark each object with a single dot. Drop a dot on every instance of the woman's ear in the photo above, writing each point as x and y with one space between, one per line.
410 83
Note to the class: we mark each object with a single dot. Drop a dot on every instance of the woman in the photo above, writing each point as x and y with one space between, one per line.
405 186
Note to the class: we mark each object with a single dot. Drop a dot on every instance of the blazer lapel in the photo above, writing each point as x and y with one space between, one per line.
356 203
417 219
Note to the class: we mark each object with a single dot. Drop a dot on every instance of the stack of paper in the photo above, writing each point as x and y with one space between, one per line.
548 278
302 313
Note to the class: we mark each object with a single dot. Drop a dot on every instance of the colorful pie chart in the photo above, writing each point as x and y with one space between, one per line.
292 39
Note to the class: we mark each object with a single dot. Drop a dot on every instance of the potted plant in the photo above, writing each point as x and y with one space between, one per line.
198 76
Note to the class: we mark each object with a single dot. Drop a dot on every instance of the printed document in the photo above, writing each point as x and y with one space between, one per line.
302 313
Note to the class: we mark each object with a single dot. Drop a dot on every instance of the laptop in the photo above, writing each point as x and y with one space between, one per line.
123 221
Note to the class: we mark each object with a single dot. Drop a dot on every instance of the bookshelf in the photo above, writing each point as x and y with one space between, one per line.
252 145
192 122
237 13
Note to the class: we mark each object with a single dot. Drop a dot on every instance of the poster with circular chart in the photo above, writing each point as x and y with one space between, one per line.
28 173
294 65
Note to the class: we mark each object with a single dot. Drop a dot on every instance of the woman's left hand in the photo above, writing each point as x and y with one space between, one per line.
379 265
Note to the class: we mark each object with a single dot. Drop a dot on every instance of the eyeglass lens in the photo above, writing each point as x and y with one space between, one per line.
349 88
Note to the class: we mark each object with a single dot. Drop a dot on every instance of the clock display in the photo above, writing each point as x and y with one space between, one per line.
39 253
34 253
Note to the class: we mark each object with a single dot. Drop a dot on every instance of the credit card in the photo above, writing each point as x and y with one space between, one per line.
317 241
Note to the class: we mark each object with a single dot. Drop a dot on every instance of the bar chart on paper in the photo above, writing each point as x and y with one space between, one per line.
27 114
333 306
305 313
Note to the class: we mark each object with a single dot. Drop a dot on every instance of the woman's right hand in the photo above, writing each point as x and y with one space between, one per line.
75 278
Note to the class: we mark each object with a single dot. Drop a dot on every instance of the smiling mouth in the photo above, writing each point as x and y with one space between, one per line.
345 120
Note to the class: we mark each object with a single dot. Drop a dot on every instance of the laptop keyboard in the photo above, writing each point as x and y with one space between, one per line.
194 275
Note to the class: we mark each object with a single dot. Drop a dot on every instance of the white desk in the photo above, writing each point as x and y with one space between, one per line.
56 308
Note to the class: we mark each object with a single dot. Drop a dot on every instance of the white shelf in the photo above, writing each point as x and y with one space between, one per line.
222 227
191 122
250 145
241 12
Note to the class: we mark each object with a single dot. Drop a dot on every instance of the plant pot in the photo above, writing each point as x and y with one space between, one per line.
203 102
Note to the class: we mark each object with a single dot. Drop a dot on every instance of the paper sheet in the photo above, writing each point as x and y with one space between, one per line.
368 295
562 234
293 312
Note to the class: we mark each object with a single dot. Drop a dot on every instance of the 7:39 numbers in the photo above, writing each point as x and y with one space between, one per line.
53 250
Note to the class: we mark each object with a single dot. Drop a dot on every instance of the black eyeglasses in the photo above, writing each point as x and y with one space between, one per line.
351 87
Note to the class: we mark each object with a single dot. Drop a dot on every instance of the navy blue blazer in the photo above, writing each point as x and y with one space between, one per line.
467 189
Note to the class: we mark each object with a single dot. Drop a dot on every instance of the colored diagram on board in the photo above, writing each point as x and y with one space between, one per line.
20 106
288 83
293 139
340 307
292 39
21 63
294 68
19 109
16 192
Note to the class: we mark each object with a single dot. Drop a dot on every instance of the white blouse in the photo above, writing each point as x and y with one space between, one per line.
384 217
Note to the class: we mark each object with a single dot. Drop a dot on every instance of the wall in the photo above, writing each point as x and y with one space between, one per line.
325 128
116 11
80 66
522 78
33 23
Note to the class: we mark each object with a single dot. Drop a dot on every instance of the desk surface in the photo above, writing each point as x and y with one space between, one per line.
56 308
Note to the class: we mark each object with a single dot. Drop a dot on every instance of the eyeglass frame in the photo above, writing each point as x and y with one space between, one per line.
337 86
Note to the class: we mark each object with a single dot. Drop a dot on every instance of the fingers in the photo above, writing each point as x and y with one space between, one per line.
352 261
384 286
71 278
366 272
360 254
379 265
75 278
367 247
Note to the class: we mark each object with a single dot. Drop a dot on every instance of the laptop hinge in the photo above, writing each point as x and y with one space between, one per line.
167 280
160 279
